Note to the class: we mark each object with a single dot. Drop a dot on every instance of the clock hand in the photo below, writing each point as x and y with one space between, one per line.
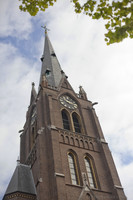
68 101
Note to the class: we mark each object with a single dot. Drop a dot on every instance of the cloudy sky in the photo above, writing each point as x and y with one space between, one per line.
105 72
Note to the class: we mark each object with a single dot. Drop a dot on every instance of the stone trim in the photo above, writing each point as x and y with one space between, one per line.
20 195
102 140
59 174
78 140
118 187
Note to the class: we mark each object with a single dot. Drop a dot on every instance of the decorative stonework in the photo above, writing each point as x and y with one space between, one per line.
32 156
78 140
20 195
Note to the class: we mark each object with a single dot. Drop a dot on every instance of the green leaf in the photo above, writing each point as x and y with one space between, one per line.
107 25
118 15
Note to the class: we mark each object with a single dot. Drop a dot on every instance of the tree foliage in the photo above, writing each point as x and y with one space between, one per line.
118 14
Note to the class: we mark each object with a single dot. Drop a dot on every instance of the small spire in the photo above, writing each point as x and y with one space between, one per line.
33 84
33 93
82 93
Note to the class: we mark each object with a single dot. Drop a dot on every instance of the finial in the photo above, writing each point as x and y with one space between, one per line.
33 84
46 29
82 93
18 161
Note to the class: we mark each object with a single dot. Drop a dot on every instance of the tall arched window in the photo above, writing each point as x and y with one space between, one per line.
66 124
90 172
33 135
73 169
76 123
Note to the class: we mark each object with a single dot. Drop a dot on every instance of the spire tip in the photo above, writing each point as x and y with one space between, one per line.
46 29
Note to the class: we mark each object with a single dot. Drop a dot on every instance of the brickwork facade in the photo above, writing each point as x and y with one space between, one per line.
49 155
63 142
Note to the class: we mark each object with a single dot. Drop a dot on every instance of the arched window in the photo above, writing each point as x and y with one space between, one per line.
66 124
73 170
90 172
33 135
76 123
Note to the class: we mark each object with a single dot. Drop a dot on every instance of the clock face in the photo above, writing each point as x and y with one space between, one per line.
68 102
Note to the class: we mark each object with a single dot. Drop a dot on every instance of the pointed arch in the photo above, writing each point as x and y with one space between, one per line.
76 122
65 119
62 138
71 141
81 144
77 142
86 145
73 168
90 171
91 146
67 141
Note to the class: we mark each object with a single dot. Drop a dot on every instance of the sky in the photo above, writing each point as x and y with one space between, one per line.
105 72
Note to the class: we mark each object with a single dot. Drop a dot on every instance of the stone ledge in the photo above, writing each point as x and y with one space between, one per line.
59 174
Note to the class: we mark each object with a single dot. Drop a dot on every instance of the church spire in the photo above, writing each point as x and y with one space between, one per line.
50 66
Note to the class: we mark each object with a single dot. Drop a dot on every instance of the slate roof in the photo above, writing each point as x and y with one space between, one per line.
50 65
21 181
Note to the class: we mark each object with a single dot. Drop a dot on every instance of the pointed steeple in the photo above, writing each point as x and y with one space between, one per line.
22 181
50 66
33 93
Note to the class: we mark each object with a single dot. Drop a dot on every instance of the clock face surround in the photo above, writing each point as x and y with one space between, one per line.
68 102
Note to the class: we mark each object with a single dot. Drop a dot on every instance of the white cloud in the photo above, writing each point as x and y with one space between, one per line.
125 173
12 21
15 95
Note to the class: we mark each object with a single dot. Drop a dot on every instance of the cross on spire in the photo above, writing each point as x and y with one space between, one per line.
45 28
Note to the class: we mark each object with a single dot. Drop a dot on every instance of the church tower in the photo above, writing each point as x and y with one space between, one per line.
63 152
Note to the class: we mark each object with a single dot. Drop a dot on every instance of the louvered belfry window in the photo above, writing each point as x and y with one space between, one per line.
66 124
76 123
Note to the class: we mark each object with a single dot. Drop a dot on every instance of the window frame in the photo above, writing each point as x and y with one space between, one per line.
68 119
91 175
75 168
79 122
